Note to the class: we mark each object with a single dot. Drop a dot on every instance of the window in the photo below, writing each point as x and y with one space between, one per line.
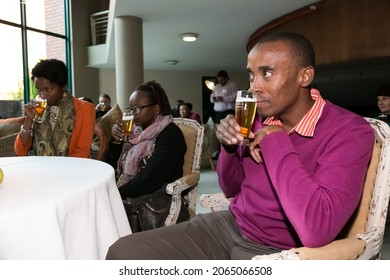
31 30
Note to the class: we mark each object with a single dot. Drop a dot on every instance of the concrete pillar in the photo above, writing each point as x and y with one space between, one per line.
129 59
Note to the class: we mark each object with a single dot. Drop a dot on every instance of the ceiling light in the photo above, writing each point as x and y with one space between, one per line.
189 37
172 62
210 84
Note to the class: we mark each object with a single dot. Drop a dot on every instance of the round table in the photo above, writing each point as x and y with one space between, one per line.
59 208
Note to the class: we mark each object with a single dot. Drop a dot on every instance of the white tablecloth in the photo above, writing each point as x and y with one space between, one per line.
59 208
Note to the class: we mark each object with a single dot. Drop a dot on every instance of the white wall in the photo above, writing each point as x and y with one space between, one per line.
177 84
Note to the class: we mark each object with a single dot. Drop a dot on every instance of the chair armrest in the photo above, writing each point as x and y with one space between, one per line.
343 249
183 183
374 241
214 201
175 189
283 255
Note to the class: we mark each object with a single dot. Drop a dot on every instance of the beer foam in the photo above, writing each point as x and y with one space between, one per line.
127 118
245 96
245 99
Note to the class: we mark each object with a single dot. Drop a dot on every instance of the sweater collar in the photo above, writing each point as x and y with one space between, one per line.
306 126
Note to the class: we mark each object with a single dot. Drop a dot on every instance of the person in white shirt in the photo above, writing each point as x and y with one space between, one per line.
224 96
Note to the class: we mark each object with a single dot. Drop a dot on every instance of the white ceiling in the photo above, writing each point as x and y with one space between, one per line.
224 27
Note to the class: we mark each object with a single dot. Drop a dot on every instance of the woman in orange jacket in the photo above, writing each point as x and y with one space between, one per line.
68 123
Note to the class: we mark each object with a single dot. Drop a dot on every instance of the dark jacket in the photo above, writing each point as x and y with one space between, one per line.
164 166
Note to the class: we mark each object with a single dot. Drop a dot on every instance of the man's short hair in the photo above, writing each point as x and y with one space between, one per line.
301 48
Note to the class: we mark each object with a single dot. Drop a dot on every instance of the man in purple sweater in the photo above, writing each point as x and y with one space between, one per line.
297 183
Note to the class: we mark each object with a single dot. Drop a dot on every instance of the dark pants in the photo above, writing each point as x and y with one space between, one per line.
206 236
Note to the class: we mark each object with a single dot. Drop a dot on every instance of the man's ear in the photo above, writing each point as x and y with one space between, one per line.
307 76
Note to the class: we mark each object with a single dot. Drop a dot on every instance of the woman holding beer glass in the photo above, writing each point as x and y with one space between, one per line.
57 124
153 155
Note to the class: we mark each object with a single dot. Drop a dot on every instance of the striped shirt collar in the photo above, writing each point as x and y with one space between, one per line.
306 126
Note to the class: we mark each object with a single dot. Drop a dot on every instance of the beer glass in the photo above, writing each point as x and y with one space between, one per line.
245 112
127 124
39 109
102 106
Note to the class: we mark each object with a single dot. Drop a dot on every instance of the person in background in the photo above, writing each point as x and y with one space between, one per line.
186 112
293 186
68 125
103 106
383 99
223 96
86 99
176 109
154 156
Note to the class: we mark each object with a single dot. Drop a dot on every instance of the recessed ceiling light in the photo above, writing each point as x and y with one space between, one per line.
172 62
189 37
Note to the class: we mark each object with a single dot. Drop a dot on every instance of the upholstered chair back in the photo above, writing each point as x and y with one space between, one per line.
193 134
103 128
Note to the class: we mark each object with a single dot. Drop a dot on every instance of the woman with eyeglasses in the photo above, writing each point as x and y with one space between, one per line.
67 124
154 154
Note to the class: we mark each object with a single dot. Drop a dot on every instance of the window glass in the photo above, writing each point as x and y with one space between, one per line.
10 10
43 16
46 15
41 46
11 72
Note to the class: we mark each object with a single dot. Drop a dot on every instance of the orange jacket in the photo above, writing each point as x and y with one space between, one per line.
81 139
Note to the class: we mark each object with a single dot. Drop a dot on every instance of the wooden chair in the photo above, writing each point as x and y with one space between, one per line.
362 237
193 134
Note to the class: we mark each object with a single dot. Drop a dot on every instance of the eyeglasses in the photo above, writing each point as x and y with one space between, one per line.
137 109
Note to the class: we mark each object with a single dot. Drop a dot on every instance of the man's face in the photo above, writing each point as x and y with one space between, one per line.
104 100
222 80
275 78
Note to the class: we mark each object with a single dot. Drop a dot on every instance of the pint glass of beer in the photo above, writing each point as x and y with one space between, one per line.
127 124
39 109
245 112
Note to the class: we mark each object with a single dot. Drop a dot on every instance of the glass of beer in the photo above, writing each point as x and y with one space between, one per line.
102 106
245 112
40 107
127 124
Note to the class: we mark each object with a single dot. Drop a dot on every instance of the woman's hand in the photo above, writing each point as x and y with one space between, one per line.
228 131
29 109
117 131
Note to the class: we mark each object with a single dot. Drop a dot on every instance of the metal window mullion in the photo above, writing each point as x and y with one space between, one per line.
68 44
26 91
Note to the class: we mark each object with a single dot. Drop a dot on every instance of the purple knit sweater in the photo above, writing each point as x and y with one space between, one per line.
307 188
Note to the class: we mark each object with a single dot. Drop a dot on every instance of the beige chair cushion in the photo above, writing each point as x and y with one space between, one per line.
110 118
210 142
190 136
358 222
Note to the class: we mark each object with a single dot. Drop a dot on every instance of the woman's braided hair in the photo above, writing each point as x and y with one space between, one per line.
157 95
